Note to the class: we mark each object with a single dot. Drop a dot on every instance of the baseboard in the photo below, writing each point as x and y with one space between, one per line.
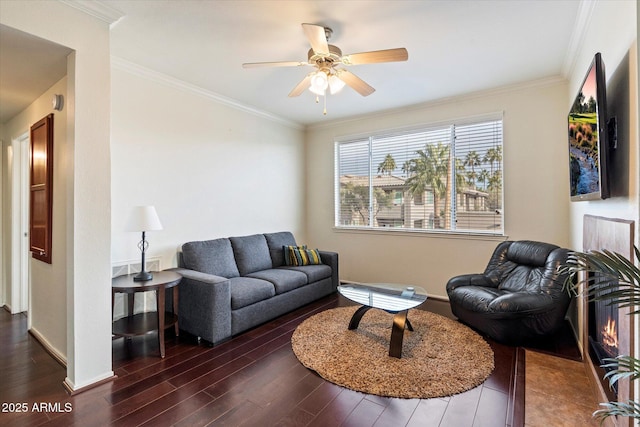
600 394
53 352
515 413
68 386
574 330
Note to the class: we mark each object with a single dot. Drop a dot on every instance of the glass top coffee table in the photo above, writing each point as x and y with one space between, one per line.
392 298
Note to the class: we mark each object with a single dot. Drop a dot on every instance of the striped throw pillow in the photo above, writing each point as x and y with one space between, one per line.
300 255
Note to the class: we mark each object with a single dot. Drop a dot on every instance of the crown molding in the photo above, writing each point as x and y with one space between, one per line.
97 9
580 27
547 81
155 76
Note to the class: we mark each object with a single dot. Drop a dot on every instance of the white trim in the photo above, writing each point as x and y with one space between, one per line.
98 9
25 240
580 27
19 261
157 77
71 387
55 353
3 280
427 233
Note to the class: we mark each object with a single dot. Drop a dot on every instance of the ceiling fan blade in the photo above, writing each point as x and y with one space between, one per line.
304 84
387 55
355 82
317 38
274 64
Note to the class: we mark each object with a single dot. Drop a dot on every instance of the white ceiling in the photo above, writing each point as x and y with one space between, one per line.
28 67
455 47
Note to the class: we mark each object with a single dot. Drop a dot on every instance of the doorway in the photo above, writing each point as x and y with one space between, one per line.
20 225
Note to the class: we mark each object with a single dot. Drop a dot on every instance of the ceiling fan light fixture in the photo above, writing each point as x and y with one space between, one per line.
316 91
319 82
335 84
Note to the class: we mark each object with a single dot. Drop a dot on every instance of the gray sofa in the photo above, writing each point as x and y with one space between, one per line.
230 285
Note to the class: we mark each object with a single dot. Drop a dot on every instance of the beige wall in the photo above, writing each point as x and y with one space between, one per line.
88 207
210 169
5 206
48 290
614 33
536 188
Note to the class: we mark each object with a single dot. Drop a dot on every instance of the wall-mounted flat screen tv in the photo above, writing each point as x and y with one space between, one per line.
588 137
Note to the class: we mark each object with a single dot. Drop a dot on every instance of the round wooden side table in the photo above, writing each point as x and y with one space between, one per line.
144 323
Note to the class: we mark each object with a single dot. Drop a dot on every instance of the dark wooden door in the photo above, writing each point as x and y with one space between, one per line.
41 189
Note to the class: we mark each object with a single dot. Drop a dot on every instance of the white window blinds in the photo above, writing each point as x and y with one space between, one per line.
443 179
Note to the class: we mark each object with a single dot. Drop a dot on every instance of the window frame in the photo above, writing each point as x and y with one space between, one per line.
498 233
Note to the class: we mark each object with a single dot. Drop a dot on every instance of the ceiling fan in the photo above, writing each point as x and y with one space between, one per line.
326 58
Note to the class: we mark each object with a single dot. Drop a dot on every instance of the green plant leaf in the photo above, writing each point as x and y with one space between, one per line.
617 279
621 367
612 278
624 409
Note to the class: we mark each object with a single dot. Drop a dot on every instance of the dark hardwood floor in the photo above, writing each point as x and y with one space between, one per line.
251 380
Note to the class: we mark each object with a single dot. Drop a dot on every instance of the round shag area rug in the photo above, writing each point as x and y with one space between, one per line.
441 357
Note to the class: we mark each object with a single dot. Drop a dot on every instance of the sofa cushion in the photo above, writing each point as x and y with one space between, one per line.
530 253
211 257
247 290
475 298
300 255
283 280
251 253
276 241
313 272
523 279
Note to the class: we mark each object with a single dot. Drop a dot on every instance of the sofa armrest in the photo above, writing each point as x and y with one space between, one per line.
523 304
331 259
469 280
204 305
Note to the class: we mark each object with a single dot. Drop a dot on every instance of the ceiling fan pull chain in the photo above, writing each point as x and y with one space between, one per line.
325 105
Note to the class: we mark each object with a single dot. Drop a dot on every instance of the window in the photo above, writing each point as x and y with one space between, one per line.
438 179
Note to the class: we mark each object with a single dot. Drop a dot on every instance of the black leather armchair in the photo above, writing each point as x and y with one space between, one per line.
520 295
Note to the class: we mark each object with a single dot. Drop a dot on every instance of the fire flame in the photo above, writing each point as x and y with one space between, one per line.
610 335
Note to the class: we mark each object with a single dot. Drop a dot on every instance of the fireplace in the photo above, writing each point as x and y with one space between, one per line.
608 329
603 340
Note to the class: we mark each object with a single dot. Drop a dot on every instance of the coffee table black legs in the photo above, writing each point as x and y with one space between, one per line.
357 316
397 333
400 321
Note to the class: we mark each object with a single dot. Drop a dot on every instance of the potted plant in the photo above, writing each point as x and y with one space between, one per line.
612 278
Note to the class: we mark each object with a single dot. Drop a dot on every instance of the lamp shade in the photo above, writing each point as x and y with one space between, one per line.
143 218
335 84
319 83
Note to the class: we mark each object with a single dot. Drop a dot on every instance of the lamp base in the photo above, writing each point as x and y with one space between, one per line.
143 276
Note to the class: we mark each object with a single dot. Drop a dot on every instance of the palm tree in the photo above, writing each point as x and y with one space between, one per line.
430 169
406 167
495 188
616 281
461 181
472 160
494 155
483 177
388 165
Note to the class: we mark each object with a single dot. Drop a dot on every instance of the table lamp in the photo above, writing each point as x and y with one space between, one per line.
143 218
